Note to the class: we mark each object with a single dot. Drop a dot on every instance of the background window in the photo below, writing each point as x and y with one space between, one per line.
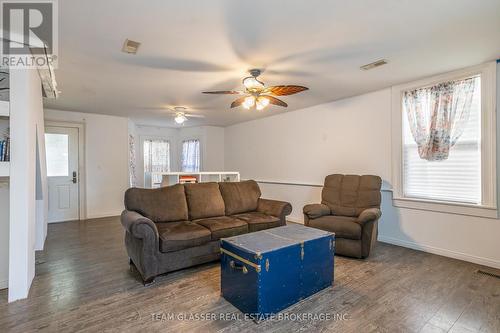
457 176
190 161
156 157
57 147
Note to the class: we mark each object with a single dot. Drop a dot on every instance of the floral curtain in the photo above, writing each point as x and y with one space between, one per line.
191 156
437 115
132 161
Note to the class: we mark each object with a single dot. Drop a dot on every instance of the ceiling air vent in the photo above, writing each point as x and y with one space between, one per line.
130 46
374 64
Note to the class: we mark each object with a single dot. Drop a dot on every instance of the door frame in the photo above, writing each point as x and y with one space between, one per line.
82 177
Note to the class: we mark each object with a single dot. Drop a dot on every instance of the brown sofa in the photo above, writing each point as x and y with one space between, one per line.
180 226
350 207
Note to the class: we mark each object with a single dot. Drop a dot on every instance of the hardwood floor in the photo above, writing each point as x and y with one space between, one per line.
83 283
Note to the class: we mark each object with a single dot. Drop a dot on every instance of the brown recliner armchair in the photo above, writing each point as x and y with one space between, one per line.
350 207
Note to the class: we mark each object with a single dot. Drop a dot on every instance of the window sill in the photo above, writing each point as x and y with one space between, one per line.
447 207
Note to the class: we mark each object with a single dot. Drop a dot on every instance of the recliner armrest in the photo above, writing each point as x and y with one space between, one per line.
313 211
138 225
370 214
274 207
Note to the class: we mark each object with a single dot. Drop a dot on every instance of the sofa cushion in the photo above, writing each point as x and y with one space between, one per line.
240 197
162 204
258 221
204 200
175 236
223 226
349 195
342 226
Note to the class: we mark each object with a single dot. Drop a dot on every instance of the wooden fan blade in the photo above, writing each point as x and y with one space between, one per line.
275 101
284 90
238 102
192 115
224 92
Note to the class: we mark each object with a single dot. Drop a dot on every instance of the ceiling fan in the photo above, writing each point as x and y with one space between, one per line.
257 95
180 114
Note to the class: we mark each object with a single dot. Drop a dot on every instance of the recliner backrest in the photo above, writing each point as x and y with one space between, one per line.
349 195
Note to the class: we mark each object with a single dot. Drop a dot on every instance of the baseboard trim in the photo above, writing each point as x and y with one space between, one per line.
98 216
4 284
295 219
440 251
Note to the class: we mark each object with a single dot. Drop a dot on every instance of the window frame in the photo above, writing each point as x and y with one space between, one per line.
488 206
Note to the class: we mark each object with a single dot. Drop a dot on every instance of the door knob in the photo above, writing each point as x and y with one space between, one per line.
74 177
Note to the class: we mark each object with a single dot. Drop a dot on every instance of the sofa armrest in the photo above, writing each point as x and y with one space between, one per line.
370 214
313 211
138 225
142 242
274 207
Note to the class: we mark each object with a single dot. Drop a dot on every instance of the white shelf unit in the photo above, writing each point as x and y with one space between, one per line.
171 178
4 116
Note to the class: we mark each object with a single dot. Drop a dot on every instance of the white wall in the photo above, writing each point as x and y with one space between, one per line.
350 136
213 153
4 233
107 154
41 186
211 146
106 159
26 122
4 217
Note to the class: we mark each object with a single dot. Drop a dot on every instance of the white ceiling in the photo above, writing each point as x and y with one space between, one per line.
191 46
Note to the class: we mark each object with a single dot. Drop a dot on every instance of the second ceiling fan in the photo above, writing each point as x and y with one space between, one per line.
257 95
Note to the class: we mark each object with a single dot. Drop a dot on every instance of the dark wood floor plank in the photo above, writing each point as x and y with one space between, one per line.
83 283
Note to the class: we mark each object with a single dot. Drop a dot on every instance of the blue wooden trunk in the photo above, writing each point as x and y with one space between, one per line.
267 271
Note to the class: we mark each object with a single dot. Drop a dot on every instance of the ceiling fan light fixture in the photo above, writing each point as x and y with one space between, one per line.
252 84
262 102
180 118
257 95
249 102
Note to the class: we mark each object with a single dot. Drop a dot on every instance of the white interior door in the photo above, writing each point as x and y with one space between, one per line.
61 144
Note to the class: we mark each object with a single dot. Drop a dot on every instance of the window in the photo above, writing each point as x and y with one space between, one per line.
444 148
156 157
57 146
456 176
190 160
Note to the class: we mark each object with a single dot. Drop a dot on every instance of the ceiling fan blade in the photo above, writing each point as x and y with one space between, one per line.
238 102
275 101
224 92
284 90
190 115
